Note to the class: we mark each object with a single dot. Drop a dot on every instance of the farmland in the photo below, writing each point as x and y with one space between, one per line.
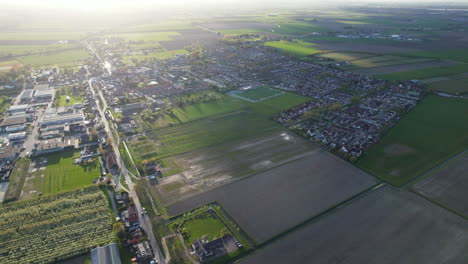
17 180
16 50
55 173
211 126
447 185
385 226
258 93
57 227
448 54
426 73
196 171
433 131
158 55
71 57
299 190
149 36
295 48
455 84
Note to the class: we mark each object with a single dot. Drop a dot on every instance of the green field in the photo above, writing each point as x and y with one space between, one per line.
296 28
158 55
296 48
36 35
70 57
149 36
27 49
454 85
435 130
61 174
212 125
449 54
205 224
425 73
167 25
258 93
17 179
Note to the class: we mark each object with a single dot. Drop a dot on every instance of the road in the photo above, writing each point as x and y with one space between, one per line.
145 222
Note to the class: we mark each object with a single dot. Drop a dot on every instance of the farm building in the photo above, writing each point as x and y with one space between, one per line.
106 255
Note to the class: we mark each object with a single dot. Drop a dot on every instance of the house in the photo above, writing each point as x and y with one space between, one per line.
133 215
144 251
106 255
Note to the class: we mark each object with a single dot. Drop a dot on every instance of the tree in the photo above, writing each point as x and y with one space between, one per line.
119 229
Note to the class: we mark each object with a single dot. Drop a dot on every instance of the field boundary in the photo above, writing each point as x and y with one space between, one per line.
314 219
409 184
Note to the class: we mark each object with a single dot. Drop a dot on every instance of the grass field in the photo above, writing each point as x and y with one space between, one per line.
214 125
426 73
258 93
26 49
385 226
73 100
71 57
295 28
36 35
296 48
4 103
447 184
454 85
202 225
433 131
449 54
158 55
149 36
17 180
60 174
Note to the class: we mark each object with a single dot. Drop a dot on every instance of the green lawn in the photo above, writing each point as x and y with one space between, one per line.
258 93
204 224
70 57
73 100
61 174
435 130
425 73
296 48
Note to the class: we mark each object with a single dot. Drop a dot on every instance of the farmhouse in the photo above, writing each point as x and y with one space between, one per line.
106 255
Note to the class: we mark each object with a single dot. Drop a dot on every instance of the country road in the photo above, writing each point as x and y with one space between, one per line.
144 220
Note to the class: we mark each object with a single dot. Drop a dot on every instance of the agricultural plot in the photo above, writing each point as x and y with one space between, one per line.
452 84
402 67
55 173
40 37
386 226
52 228
295 48
149 36
448 54
448 184
344 56
207 125
274 201
257 94
204 169
15 50
386 60
426 73
64 58
432 132
157 56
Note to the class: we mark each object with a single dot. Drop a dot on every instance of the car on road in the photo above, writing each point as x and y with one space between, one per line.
143 211
238 244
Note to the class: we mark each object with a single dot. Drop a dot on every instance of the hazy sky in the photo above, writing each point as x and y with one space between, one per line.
94 4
